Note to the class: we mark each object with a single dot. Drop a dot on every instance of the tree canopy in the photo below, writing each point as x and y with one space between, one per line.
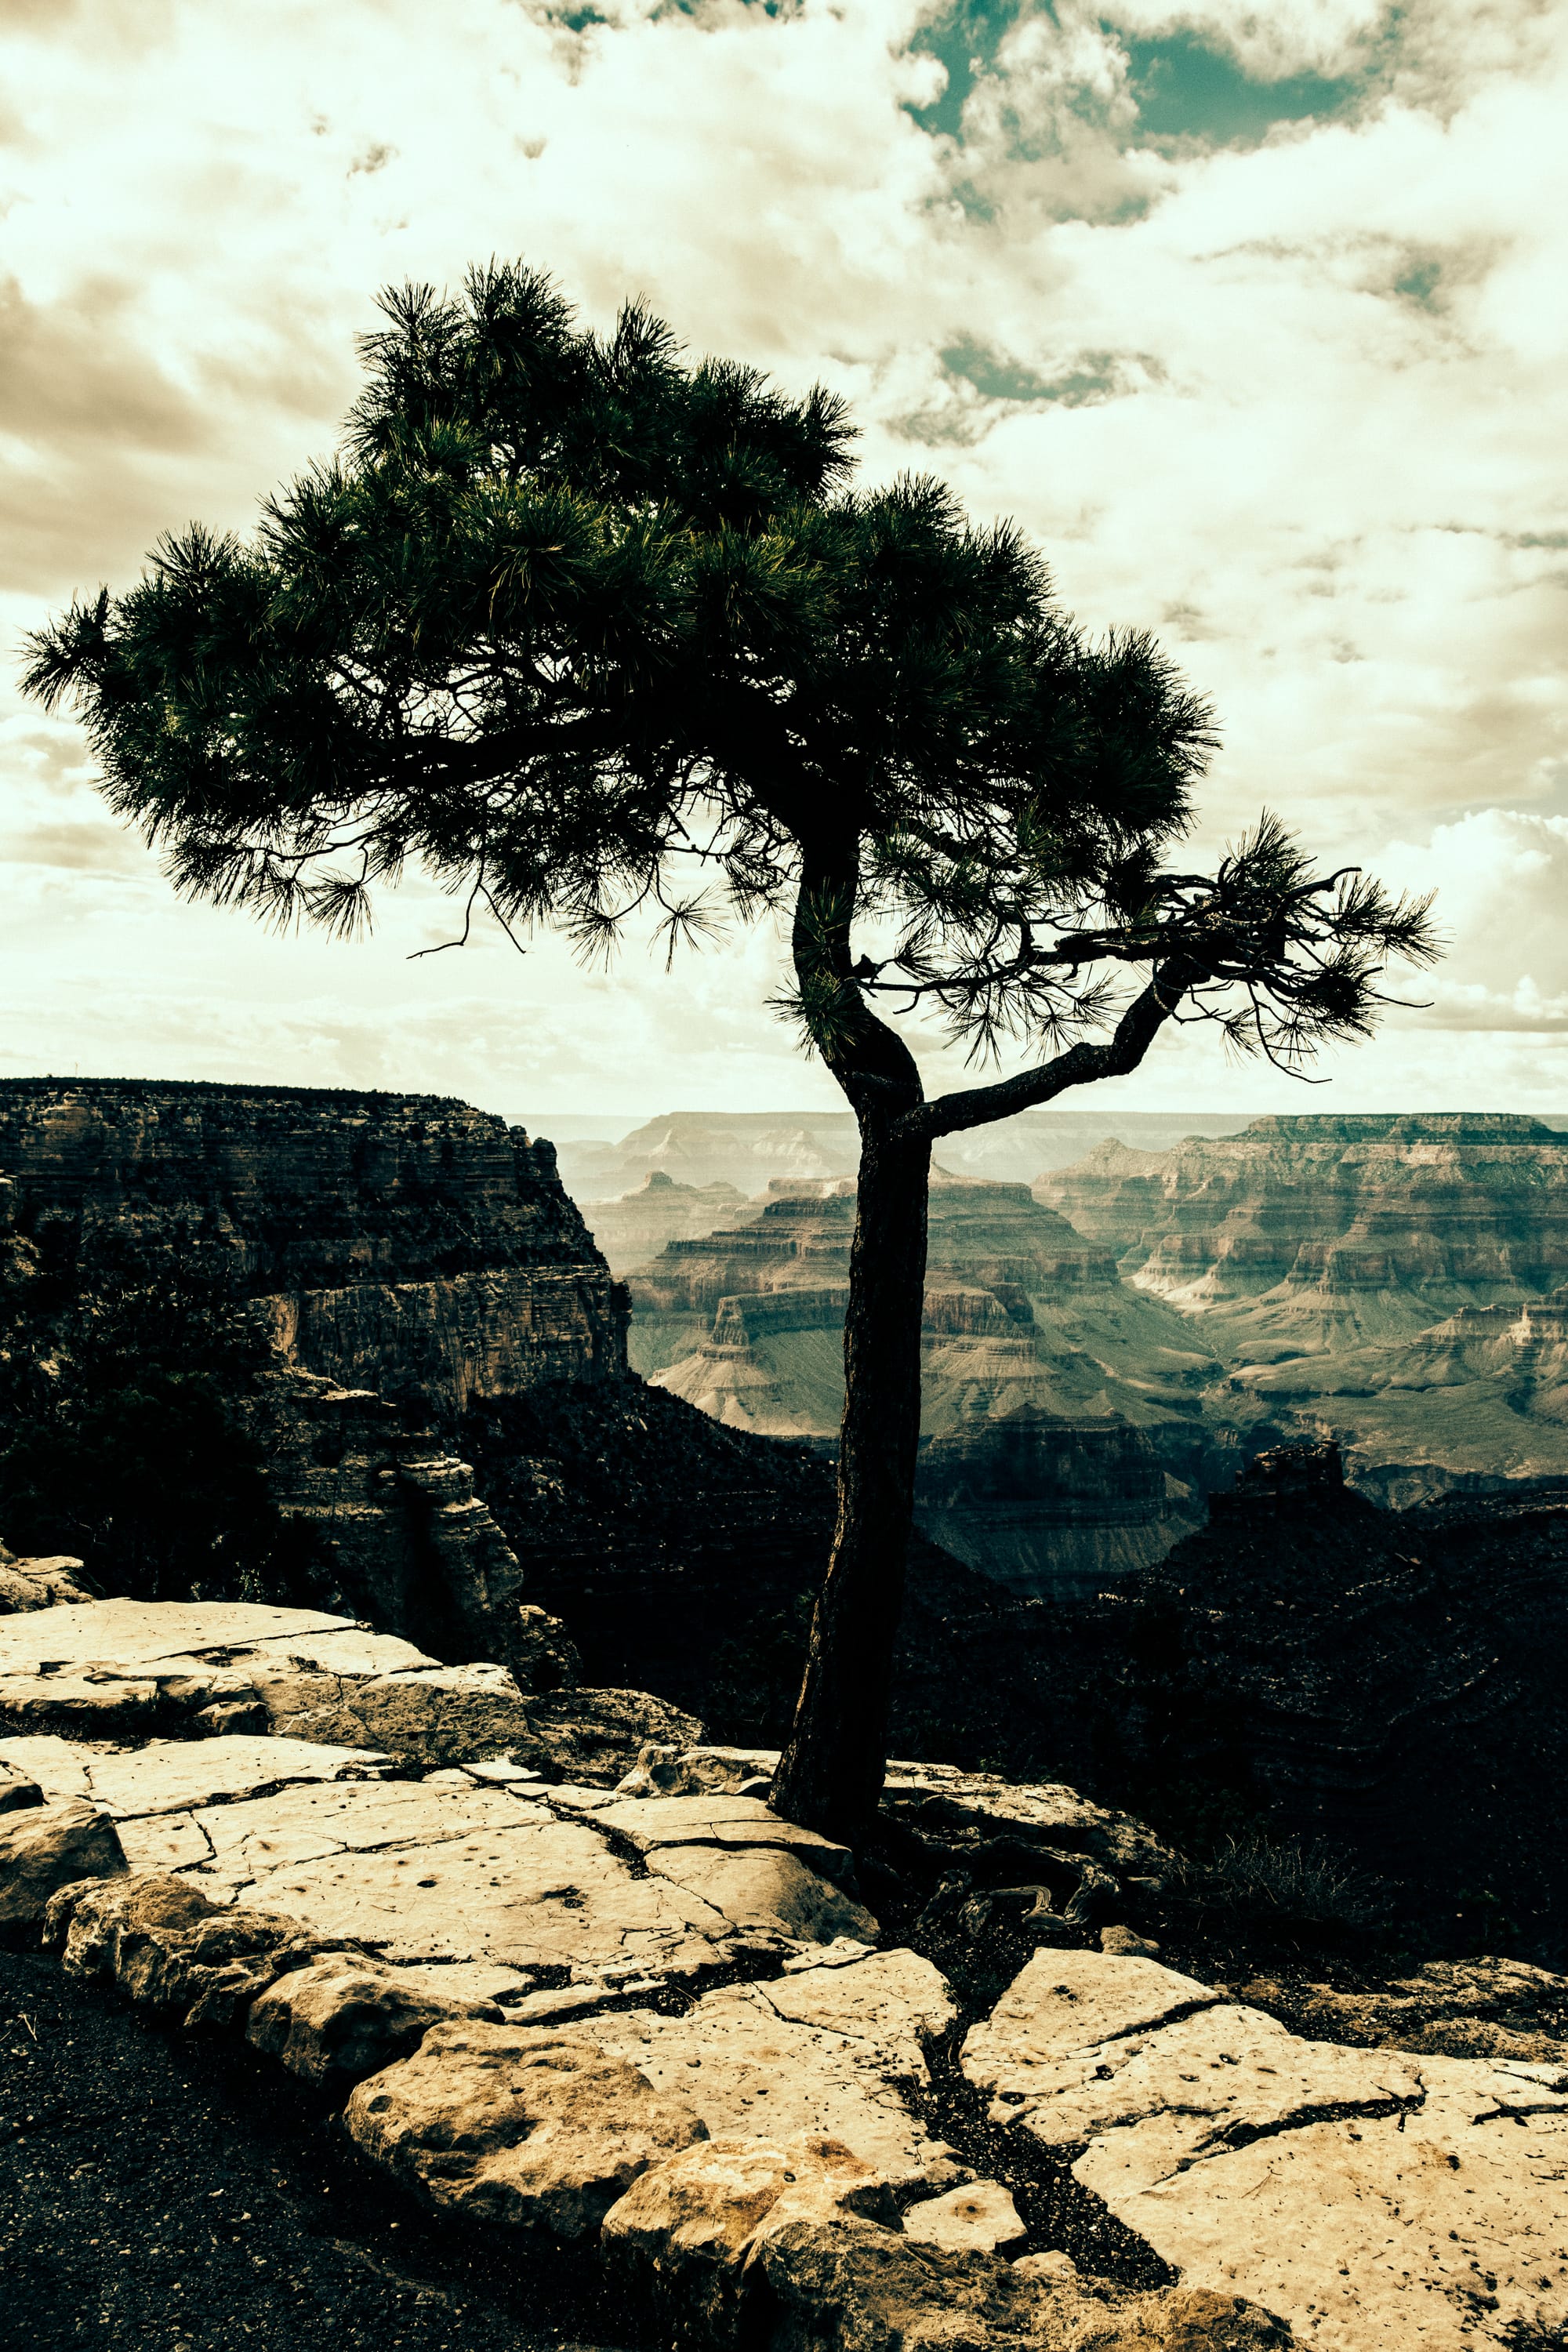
591 631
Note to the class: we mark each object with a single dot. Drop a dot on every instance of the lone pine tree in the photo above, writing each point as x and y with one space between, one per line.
595 635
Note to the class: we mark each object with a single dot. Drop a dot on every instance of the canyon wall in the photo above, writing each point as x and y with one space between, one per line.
1075 1402
403 1242
1327 1230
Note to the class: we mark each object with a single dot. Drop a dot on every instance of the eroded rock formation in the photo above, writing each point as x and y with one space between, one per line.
1317 1230
636 1227
400 1241
1042 1371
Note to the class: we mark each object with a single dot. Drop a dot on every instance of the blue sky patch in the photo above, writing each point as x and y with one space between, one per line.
1184 89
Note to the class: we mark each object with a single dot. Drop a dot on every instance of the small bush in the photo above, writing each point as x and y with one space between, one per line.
1300 1881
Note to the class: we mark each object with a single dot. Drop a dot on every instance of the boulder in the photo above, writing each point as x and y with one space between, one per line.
434 1714
18 1790
201 1965
978 2219
510 2123
30 1584
681 2233
665 1772
343 2017
104 1926
45 1847
597 1736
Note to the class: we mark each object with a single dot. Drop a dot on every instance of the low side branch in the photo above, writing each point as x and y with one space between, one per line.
1078 1065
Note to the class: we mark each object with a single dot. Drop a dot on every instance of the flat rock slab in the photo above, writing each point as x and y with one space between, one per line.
440 1872
132 1635
1373 2200
171 1776
724 1820
450 1869
822 2052
763 1888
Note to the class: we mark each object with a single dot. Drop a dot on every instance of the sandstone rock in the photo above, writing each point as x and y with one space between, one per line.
979 2219
880 2292
824 2053
665 1772
341 2018
535 2129
29 1584
941 1800
452 1256
429 1716
1127 1944
181 1776
95 1705
722 1821
144 1634
45 1847
762 1886
1370 2200
1053 2265
18 1790
543 1654
105 1922
168 1949
787 2246
682 2232
1483 2007
597 1734
444 1873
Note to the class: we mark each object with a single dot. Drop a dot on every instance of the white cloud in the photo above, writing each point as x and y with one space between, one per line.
1306 420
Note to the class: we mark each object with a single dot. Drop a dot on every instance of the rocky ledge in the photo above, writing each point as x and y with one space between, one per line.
654 2019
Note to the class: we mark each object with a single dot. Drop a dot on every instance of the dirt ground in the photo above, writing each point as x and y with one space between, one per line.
163 2189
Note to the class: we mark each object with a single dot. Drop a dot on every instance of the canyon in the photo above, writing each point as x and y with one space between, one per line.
479 1817
1097 1364
1387 1281
750 1149
1045 1378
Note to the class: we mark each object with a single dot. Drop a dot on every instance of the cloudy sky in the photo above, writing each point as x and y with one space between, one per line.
1253 315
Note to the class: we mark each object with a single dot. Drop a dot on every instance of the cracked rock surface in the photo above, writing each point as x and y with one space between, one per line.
126 1670
822 2052
1371 2198
491 1868
656 2009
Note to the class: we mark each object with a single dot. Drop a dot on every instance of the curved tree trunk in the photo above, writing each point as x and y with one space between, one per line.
830 1776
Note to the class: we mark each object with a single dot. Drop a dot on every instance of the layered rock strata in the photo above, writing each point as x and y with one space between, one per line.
1039 1369
1479 1402
636 1227
1320 1229
400 1241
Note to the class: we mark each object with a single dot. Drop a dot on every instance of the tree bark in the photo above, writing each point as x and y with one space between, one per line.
830 1775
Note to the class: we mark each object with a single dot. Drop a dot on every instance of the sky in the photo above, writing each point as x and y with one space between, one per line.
1253 316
